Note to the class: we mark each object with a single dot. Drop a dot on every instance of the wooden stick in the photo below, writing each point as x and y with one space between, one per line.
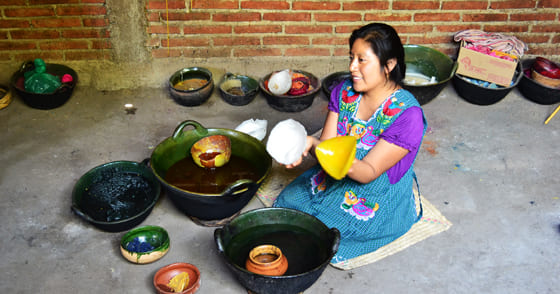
552 115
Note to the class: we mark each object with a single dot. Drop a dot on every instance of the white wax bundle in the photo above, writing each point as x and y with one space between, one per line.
286 141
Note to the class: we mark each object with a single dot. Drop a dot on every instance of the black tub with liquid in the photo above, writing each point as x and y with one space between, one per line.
307 243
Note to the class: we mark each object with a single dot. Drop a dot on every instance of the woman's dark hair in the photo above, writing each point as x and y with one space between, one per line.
386 44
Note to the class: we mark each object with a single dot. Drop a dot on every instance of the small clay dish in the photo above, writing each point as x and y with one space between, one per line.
545 80
238 90
212 151
164 275
145 244
5 97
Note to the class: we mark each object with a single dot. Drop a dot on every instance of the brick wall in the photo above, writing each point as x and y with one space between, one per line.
241 28
54 30
80 29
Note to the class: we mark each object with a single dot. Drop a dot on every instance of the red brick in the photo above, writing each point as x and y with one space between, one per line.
9 45
236 41
186 42
11 24
10 2
437 17
207 52
257 29
546 28
414 5
464 5
87 55
186 16
95 22
456 28
206 29
101 44
549 4
93 1
536 38
307 52
85 33
4 35
162 29
265 5
337 41
545 50
513 4
430 40
153 16
253 52
215 4
164 53
45 55
366 5
299 16
540 16
307 5
341 52
43 2
56 22
81 10
237 16
337 17
404 29
485 17
171 4
386 17
28 12
285 40
63 45
34 34
306 29
346 29
507 28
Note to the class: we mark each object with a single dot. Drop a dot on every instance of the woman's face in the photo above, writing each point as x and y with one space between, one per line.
367 73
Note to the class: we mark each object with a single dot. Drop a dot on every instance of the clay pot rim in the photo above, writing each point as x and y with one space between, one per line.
193 285
265 248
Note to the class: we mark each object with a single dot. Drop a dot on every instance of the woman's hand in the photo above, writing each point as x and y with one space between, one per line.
309 144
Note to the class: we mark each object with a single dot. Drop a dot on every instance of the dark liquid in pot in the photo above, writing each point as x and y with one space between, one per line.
303 249
186 175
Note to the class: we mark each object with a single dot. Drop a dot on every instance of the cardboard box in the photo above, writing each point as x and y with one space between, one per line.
485 67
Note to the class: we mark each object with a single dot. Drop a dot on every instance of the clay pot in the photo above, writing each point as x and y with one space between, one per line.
191 96
267 260
544 80
212 151
155 236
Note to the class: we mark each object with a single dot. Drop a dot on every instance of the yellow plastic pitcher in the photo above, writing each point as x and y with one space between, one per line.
335 155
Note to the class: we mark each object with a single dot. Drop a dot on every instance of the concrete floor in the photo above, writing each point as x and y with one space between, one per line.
491 170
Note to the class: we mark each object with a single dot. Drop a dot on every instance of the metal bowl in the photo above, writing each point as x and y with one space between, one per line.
44 101
431 63
536 91
196 95
116 196
331 81
288 103
307 243
481 95
238 90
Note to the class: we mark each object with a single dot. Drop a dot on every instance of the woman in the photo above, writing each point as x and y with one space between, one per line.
374 204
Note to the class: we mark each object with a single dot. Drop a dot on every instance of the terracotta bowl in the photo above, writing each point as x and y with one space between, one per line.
546 68
291 103
198 89
145 244
166 273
